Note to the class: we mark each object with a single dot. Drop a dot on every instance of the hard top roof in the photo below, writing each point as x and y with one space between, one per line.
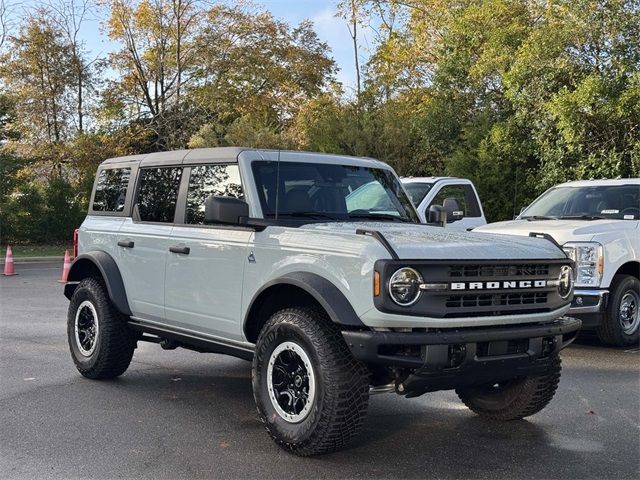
230 155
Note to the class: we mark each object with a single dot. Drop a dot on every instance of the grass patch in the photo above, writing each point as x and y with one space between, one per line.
38 250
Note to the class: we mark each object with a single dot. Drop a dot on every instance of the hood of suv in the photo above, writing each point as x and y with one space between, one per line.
561 230
418 241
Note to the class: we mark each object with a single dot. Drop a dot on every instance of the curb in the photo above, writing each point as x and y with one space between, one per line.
17 260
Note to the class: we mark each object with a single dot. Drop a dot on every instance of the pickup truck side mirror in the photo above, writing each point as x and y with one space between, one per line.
453 209
437 215
225 210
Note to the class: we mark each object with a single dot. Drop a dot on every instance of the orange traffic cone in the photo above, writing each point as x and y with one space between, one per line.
8 263
66 266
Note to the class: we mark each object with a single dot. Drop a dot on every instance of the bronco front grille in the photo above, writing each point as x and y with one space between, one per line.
487 300
478 270
478 288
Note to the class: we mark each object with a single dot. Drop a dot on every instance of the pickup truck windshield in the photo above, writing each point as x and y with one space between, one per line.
417 191
587 203
328 192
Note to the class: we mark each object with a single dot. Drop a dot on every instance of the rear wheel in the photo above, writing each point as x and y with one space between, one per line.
621 323
310 392
101 344
513 399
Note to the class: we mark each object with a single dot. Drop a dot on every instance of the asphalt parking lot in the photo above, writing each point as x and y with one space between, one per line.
180 414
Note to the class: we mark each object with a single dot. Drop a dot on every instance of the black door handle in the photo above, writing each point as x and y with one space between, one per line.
125 243
178 249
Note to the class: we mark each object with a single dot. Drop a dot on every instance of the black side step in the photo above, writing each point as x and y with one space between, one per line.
185 340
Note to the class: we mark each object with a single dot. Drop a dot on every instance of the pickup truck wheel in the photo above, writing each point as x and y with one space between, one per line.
621 323
311 394
101 344
513 399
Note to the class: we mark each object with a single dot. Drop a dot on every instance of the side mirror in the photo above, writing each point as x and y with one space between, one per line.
437 215
453 209
226 210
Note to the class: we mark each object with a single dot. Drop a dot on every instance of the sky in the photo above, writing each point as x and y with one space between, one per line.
329 28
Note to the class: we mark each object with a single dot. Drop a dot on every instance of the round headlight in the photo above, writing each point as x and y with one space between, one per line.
565 281
404 286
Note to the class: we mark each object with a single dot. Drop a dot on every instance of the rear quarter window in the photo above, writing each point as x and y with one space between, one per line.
111 190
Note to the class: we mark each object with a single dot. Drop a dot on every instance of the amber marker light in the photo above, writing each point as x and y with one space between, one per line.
600 263
376 284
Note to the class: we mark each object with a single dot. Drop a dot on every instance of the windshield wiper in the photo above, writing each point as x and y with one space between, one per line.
538 217
378 216
582 217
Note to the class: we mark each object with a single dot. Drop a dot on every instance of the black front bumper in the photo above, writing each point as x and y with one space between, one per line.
447 359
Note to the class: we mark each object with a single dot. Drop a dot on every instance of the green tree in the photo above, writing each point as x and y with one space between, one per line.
252 64
35 70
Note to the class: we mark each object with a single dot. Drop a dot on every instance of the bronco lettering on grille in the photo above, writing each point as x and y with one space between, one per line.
498 285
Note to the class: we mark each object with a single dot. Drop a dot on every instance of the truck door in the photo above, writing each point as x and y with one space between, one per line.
143 241
203 283
467 199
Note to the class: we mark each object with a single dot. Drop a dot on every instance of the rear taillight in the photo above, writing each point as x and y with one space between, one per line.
75 243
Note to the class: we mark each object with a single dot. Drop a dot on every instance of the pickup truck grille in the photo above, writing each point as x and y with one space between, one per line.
479 270
455 289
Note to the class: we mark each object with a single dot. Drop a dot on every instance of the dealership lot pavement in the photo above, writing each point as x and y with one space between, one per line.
180 414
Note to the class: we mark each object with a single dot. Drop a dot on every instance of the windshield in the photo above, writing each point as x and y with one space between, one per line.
330 192
417 191
588 203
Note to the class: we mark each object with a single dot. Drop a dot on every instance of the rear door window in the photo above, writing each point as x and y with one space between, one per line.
207 180
158 194
111 190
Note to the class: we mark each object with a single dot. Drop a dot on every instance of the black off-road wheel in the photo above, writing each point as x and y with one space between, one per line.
621 323
513 399
101 344
311 394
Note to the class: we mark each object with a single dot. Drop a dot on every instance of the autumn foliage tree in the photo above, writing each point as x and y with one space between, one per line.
515 94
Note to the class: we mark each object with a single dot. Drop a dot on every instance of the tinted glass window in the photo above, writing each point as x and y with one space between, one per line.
417 191
621 202
463 194
158 194
111 190
207 180
330 192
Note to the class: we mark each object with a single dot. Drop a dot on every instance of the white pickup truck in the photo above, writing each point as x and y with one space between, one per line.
456 195
597 222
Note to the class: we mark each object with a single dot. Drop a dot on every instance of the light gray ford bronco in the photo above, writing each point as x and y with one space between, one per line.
316 268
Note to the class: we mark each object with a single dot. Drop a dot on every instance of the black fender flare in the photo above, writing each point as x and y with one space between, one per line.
330 298
87 264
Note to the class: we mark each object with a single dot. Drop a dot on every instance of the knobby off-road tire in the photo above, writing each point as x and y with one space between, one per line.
101 344
620 324
341 395
514 399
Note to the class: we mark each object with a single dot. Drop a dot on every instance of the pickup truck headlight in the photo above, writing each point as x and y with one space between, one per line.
589 262
404 286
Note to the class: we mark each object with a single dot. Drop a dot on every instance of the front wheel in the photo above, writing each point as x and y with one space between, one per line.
310 392
101 344
513 399
621 322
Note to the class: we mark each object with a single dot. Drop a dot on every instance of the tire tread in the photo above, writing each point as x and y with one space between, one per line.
346 383
535 394
117 342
